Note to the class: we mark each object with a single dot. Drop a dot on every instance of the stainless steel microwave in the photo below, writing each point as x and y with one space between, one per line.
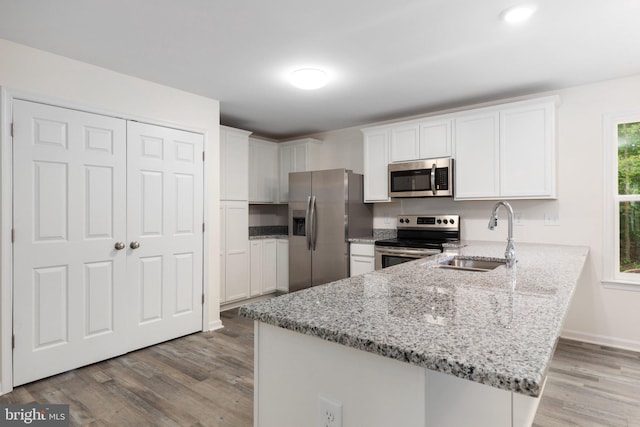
421 178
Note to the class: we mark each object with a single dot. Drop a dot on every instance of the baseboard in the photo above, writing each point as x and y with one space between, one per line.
602 340
214 325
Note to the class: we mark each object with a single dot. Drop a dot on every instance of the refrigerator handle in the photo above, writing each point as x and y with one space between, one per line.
307 223
314 217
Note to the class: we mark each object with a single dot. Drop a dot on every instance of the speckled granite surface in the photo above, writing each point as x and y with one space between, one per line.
378 234
497 328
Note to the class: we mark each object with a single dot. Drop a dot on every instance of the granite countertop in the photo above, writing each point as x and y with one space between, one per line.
269 236
498 328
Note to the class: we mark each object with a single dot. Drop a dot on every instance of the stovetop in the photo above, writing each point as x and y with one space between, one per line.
424 231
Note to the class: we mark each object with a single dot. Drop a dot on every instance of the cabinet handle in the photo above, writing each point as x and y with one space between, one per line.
134 245
119 246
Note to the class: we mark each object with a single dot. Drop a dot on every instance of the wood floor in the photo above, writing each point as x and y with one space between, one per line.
206 379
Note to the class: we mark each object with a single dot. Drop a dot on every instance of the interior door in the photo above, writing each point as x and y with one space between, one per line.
108 221
164 231
70 289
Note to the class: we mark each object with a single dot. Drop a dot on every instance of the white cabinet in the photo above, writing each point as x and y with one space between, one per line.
234 253
477 172
234 164
268 262
435 138
527 157
405 142
263 171
421 139
376 161
362 259
282 268
506 151
294 157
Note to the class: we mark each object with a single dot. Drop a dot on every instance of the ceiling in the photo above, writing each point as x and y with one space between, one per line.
387 59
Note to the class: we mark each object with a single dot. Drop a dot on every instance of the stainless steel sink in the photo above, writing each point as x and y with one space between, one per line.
472 264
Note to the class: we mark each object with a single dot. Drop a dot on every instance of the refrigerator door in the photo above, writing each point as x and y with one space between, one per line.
330 259
299 232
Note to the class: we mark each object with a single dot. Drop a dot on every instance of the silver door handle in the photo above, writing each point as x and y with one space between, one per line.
134 245
119 246
433 179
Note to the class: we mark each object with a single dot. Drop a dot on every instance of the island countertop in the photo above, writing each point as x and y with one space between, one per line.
497 328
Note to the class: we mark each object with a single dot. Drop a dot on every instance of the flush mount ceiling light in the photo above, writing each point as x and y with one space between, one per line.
309 78
517 14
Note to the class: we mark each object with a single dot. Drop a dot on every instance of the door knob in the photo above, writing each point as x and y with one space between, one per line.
119 246
134 245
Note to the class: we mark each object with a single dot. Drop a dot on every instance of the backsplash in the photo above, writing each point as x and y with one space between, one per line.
268 230
384 233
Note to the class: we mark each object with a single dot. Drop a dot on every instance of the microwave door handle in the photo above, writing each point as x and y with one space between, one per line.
307 223
433 179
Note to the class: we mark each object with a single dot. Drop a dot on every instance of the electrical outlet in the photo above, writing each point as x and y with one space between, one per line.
330 413
551 219
518 218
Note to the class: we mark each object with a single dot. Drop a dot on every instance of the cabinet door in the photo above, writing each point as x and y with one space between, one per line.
286 166
435 139
282 268
376 160
223 253
477 168
234 164
361 265
269 265
237 250
263 179
300 157
527 165
255 269
405 142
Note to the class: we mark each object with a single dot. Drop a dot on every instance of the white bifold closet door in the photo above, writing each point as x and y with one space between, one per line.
108 239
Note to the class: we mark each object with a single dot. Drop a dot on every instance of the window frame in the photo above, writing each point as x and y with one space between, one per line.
613 277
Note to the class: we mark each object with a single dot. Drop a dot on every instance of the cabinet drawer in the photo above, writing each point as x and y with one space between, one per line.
362 249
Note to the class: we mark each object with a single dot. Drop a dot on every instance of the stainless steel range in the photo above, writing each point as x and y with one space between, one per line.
419 236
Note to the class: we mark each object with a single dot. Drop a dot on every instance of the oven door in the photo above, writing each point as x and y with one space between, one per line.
388 256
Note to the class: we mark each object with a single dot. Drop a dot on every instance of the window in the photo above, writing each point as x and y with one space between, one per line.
622 201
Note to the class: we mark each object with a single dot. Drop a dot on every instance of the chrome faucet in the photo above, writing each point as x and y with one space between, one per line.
510 252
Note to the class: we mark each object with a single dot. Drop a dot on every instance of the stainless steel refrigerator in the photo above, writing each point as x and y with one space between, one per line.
325 209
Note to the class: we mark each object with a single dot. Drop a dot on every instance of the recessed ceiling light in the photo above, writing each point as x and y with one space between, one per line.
309 78
518 14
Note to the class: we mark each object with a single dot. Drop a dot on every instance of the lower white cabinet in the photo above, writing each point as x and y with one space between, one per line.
234 274
282 269
269 262
362 259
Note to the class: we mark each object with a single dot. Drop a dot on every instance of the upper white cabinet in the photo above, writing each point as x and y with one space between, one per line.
376 160
263 171
435 138
405 142
234 164
506 151
477 172
421 139
294 157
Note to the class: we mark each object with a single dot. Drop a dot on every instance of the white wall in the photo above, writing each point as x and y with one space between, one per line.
59 78
597 314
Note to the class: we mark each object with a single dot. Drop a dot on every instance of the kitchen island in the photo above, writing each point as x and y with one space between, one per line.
416 344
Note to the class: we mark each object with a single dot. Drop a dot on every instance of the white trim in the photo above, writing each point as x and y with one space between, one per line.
613 278
6 247
214 325
607 341
621 285
7 96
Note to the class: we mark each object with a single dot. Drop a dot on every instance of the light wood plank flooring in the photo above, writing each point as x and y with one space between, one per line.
206 379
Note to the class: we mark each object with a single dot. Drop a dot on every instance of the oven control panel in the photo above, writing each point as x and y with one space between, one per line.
434 222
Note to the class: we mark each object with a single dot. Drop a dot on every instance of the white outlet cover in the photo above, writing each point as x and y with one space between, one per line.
329 413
